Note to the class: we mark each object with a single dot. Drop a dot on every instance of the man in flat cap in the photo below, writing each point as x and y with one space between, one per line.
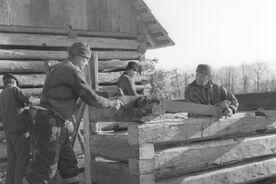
126 81
204 91
52 150
16 126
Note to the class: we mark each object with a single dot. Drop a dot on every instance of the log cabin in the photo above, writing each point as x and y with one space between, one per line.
35 31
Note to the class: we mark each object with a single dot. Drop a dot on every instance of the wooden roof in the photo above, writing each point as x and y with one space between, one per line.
157 36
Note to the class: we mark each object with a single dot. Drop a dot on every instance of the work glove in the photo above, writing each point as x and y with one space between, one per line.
228 112
117 104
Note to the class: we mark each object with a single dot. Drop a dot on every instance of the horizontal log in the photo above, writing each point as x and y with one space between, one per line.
34 80
37 80
206 155
37 66
201 128
17 39
237 174
3 151
60 55
253 101
116 147
46 30
117 173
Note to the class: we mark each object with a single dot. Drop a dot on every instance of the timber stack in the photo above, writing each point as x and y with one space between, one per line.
173 149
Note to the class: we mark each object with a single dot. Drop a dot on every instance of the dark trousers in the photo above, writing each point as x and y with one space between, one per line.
50 150
18 155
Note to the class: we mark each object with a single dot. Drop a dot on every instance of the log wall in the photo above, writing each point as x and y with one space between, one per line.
178 150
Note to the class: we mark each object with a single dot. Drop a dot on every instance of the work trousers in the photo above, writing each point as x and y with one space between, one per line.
18 149
50 150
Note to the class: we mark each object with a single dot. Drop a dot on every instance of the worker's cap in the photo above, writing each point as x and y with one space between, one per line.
204 69
8 77
134 66
80 49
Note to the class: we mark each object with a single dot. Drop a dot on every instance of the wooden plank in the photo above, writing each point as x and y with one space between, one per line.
11 66
115 15
93 15
206 155
34 80
253 101
237 174
200 128
94 68
60 55
115 146
20 12
4 12
3 151
40 13
124 16
62 31
105 15
117 173
178 106
2 135
78 14
63 41
58 17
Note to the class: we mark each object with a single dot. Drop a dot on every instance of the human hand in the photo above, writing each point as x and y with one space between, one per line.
228 112
225 104
117 104
26 135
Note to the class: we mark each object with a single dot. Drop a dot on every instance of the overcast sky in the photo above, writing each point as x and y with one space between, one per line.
218 32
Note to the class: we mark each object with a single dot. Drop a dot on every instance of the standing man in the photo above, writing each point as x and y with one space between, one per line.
16 123
203 91
51 146
126 81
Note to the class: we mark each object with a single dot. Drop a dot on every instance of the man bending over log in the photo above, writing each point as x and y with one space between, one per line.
204 91
51 146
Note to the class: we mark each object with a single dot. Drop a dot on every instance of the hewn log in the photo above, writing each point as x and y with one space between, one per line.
206 155
36 66
116 147
117 173
37 80
63 41
200 128
60 55
46 30
243 173
3 151
34 80
9 66
253 101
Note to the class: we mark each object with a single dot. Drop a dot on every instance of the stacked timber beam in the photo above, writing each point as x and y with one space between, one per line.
174 149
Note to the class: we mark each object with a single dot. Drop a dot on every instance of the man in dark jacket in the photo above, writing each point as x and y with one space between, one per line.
51 146
203 91
15 121
127 81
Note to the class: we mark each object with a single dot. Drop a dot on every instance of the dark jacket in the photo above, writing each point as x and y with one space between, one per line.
211 94
12 102
63 85
127 84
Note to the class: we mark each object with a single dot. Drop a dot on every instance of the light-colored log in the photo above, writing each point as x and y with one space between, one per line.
10 66
237 174
63 41
36 66
115 146
48 30
201 128
117 173
31 91
34 80
211 154
60 55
